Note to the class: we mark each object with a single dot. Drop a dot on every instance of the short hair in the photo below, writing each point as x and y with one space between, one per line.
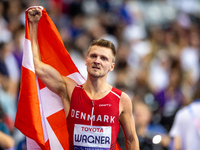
104 43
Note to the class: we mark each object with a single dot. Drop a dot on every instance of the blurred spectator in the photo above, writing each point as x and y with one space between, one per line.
158 59
8 86
151 136
158 71
18 41
189 57
186 127
171 98
9 107
124 76
6 141
5 33
8 69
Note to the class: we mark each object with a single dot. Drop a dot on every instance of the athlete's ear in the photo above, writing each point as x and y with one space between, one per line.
112 66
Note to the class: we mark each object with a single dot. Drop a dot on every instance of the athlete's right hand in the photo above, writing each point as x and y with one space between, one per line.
34 14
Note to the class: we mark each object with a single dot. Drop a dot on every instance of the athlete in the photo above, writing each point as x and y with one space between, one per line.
94 110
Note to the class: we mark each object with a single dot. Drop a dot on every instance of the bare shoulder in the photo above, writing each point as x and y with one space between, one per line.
125 103
127 122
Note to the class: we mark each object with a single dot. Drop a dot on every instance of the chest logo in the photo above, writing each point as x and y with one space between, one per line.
105 105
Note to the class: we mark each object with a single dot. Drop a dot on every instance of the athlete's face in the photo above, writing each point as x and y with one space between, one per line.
99 61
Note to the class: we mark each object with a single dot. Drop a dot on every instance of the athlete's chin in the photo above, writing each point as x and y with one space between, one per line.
94 75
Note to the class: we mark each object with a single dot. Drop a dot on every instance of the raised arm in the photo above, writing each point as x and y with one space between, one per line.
47 74
128 124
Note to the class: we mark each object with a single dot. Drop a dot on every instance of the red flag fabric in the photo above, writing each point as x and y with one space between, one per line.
40 115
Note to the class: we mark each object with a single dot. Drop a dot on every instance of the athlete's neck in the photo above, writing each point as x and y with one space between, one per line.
96 88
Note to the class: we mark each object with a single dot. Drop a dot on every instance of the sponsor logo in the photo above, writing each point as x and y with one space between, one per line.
92 136
92 129
105 105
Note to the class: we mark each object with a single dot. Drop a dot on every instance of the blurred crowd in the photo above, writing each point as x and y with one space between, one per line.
158 55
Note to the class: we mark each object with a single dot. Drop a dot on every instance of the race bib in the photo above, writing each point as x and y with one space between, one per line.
92 137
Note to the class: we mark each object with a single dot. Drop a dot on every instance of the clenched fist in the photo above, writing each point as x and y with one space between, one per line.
34 14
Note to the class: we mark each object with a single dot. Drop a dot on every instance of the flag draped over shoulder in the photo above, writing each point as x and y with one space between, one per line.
40 115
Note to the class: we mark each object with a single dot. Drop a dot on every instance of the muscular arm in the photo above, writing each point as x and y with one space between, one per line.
47 74
128 124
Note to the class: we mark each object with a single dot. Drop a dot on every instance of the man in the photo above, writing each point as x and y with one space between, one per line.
95 109
148 131
186 127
